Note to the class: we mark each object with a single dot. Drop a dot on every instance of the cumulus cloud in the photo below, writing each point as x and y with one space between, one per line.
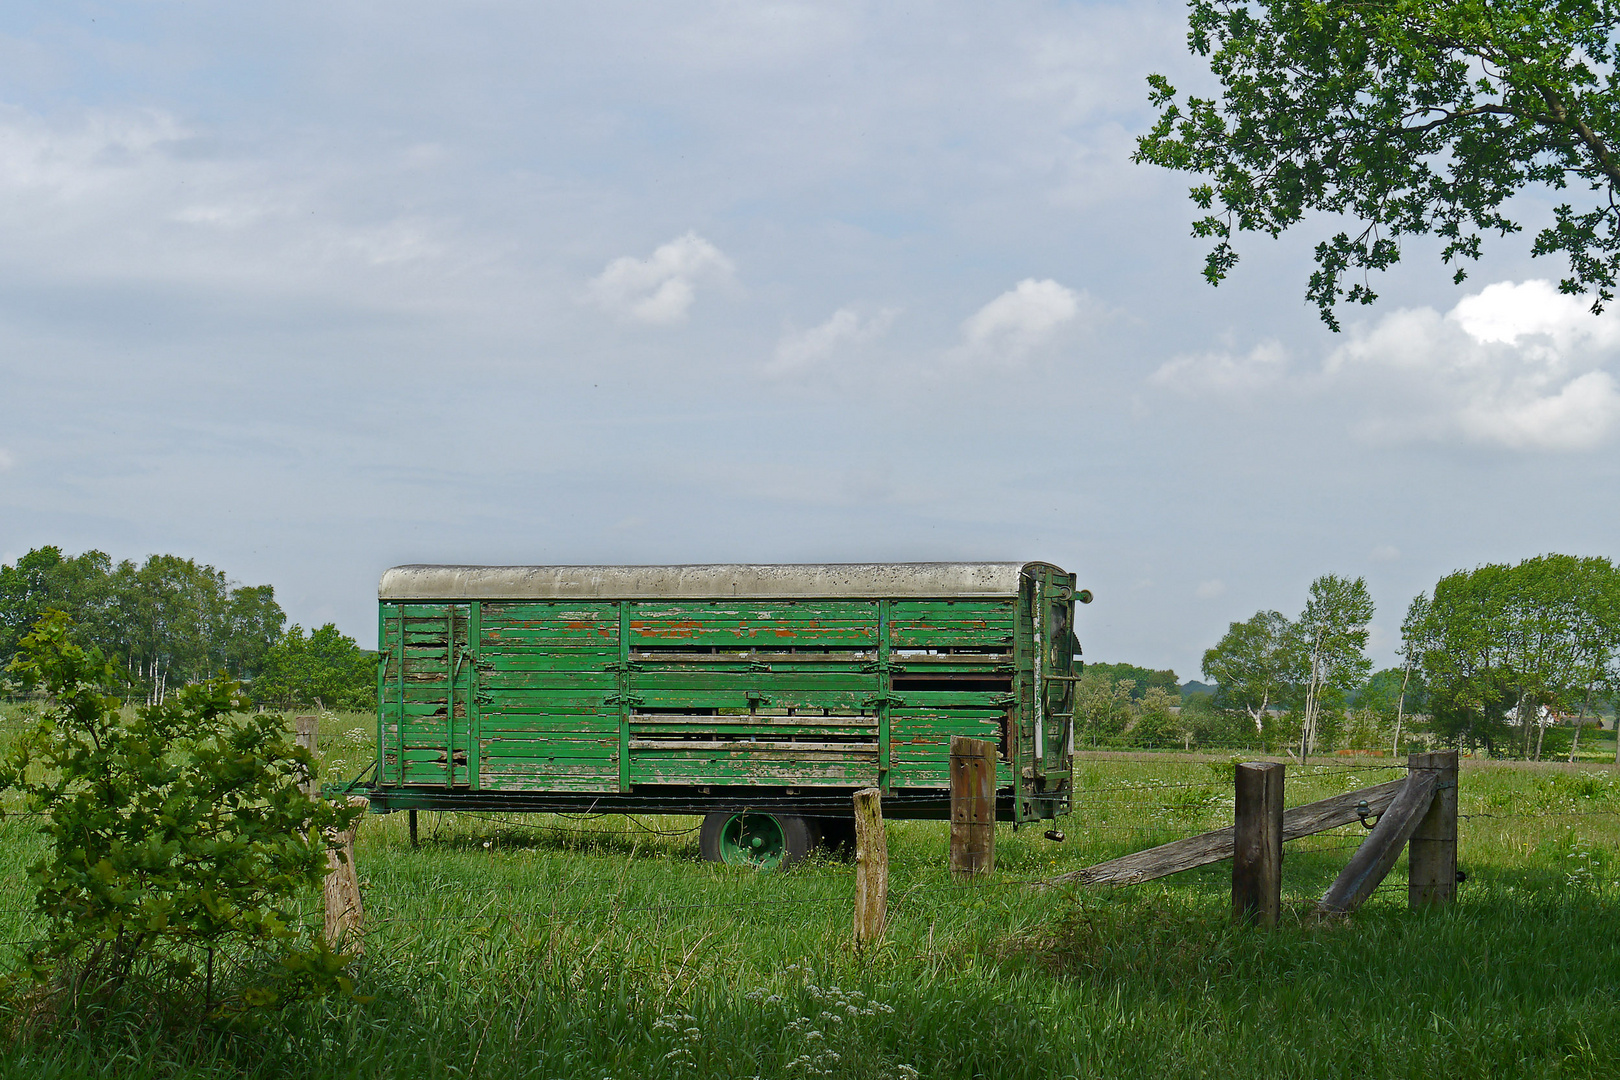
1518 365
1020 320
1222 371
660 289
803 350
1209 590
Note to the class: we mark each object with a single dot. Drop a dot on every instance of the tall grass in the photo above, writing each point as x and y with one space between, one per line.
554 946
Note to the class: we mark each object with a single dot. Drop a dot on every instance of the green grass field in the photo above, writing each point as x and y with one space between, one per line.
603 948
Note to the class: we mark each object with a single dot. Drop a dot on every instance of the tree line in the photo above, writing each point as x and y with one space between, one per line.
1504 659
169 622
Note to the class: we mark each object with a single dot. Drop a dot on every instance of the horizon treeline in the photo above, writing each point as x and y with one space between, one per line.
169 621
1512 660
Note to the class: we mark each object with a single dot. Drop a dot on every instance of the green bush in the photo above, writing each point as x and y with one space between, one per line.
1157 725
326 669
176 841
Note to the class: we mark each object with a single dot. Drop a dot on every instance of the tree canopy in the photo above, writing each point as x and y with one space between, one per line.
170 621
166 621
325 668
1499 643
1307 666
1408 117
1250 666
1141 679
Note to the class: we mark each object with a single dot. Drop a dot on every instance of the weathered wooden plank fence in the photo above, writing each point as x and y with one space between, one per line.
1419 810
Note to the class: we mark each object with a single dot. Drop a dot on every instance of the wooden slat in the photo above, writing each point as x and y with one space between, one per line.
790 748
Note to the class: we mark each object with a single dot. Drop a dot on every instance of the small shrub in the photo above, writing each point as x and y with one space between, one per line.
177 838
1157 726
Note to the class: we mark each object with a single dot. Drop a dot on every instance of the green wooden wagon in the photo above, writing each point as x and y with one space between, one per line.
760 696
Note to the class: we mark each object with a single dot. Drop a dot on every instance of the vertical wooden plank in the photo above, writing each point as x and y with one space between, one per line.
1258 843
400 608
871 867
885 688
1037 651
1432 851
308 730
384 651
475 729
624 695
1021 739
973 806
450 696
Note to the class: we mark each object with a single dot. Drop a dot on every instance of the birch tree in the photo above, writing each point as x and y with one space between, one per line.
1330 642
1249 666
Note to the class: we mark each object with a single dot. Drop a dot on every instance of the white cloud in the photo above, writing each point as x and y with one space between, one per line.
1209 590
1384 553
1222 371
660 288
1518 365
1021 319
1509 312
804 349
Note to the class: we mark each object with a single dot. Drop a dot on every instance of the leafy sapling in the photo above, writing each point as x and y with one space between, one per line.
177 841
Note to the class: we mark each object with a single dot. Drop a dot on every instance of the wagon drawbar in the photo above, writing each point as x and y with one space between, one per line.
761 696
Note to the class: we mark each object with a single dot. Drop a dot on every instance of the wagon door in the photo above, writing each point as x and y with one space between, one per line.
1047 693
426 692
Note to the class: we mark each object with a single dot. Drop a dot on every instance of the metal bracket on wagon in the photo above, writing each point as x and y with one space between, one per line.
622 699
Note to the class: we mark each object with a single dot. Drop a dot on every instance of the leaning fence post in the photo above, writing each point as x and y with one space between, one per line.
1432 851
308 729
345 915
1257 843
973 806
871 866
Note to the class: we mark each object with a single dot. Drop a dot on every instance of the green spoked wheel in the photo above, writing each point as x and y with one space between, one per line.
750 838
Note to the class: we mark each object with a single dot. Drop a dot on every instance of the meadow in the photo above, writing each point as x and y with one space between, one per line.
602 947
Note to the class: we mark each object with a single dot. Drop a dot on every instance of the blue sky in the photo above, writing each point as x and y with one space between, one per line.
305 291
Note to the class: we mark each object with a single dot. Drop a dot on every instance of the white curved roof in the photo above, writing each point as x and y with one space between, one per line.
947 580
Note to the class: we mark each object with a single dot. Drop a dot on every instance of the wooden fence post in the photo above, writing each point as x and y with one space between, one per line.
413 826
1258 843
1432 851
871 867
308 729
345 915
973 806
